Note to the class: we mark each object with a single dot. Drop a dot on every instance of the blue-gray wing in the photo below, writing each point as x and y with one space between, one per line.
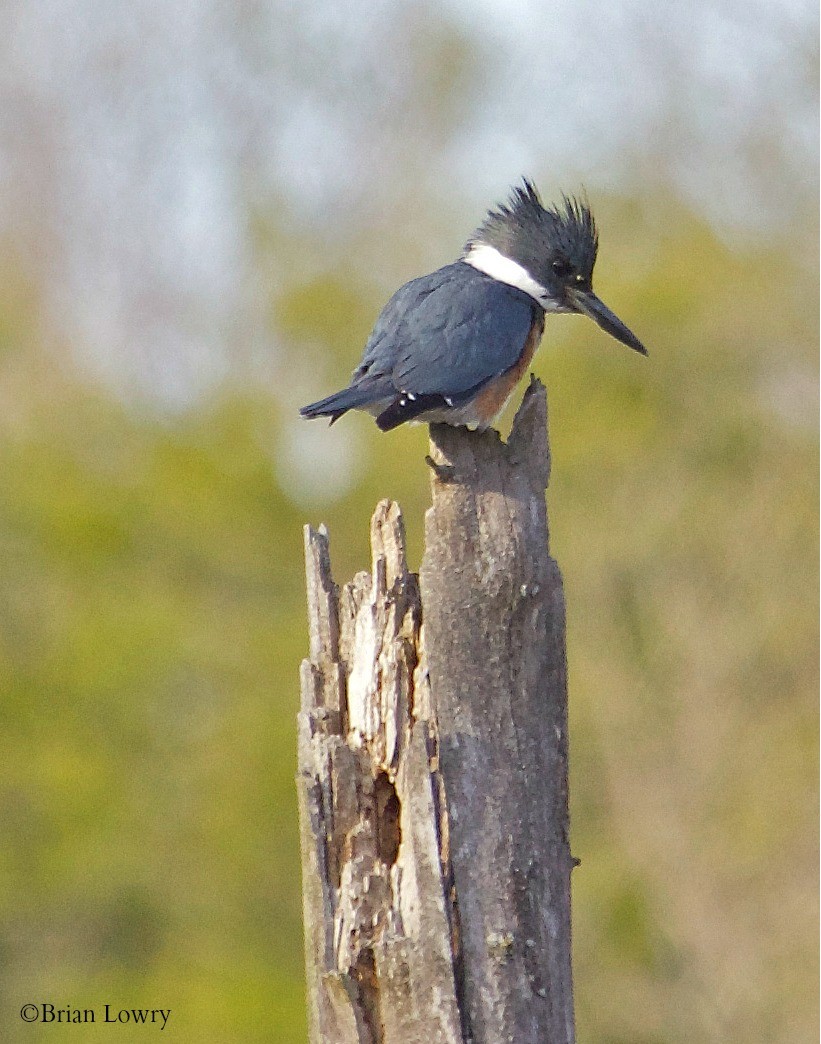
448 333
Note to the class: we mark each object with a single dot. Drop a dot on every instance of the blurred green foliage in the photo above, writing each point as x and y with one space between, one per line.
153 623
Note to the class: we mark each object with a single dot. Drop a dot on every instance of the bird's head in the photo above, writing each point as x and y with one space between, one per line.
549 252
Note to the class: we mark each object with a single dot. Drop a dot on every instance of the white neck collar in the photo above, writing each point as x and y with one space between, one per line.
489 260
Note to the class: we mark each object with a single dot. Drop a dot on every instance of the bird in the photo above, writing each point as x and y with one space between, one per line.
451 346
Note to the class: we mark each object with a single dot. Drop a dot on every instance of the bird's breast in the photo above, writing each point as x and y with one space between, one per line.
491 400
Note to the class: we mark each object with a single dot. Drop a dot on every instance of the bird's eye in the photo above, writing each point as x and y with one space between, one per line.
579 277
562 268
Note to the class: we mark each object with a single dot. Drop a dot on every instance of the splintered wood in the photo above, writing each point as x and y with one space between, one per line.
378 930
433 765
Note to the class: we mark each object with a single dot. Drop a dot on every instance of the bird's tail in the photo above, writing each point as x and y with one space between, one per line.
340 402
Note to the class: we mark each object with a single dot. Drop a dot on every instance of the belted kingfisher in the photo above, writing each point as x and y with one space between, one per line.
451 346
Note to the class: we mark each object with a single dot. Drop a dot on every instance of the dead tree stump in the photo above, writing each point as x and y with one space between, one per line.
433 765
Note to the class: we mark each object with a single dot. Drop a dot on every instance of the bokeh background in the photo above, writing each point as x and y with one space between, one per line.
203 205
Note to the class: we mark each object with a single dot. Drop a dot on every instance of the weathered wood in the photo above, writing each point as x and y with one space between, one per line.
433 765
377 928
495 646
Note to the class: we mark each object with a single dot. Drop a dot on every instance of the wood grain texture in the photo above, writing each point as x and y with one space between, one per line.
433 765
375 891
495 647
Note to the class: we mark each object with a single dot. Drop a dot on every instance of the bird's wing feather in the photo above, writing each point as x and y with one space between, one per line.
448 333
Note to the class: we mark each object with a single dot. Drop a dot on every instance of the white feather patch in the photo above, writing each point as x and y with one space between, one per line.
489 260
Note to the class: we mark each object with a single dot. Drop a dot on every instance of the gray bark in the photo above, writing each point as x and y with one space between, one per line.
433 765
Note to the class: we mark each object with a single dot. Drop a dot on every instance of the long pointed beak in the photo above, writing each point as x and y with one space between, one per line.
585 301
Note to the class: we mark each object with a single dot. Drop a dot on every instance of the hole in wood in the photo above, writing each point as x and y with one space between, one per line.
388 830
